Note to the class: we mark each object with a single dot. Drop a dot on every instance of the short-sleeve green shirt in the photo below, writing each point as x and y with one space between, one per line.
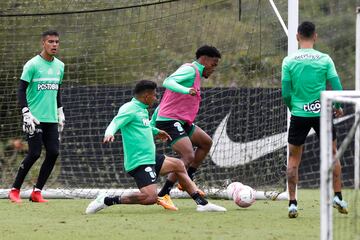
307 70
44 78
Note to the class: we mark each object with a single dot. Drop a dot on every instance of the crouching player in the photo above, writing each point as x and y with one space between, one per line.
140 159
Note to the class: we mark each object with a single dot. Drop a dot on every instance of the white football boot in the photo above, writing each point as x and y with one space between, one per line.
96 205
210 207
340 205
293 211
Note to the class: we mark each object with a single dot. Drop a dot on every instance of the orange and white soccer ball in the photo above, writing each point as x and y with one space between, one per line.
244 197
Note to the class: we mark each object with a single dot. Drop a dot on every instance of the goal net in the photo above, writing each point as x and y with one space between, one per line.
107 46
333 224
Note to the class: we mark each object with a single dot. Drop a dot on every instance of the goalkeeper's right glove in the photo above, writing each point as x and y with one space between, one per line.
29 121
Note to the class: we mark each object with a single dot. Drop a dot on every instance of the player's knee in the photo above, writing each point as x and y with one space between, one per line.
34 155
53 153
150 199
291 173
334 151
180 166
207 144
188 158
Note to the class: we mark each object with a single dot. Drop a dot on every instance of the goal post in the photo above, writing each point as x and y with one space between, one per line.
357 87
327 159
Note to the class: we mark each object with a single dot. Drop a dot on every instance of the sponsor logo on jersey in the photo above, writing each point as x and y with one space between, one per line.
48 86
146 122
314 107
307 56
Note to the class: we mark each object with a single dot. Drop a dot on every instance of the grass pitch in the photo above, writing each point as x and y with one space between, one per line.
65 219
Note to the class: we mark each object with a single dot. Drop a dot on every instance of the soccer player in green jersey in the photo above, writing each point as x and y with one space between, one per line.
304 75
140 160
43 117
177 111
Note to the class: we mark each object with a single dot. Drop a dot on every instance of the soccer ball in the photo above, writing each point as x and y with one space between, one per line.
244 197
232 188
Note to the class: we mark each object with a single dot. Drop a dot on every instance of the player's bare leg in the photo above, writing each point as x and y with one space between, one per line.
146 196
295 153
203 143
338 201
185 149
178 168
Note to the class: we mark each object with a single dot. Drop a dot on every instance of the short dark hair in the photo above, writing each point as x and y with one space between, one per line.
306 29
49 33
207 50
143 86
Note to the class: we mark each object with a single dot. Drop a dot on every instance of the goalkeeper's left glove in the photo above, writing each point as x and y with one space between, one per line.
61 117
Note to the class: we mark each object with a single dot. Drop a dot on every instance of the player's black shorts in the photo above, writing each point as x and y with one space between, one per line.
300 127
176 129
145 175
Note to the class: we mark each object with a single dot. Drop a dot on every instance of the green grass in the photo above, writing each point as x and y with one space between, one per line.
65 219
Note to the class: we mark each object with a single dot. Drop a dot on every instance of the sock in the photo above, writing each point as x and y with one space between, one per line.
199 199
166 188
339 195
293 202
37 189
191 172
112 200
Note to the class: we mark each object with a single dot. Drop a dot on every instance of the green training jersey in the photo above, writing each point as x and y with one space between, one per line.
137 134
44 78
306 72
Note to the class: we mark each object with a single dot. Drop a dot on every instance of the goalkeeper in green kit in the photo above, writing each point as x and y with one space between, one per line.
43 117
304 75
140 160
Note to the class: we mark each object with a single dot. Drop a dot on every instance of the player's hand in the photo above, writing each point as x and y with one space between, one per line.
163 136
29 121
192 91
338 112
61 117
109 138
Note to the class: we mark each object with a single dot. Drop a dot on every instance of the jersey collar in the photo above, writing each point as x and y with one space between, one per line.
137 102
199 66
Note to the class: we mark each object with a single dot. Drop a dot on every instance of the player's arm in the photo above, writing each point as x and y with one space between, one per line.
29 121
334 80
286 85
154 117
336 85
162 135
175 82
120 120
23 85
61 114
159 134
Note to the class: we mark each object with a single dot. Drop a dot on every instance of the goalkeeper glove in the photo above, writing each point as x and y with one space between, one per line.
29 121
61 117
